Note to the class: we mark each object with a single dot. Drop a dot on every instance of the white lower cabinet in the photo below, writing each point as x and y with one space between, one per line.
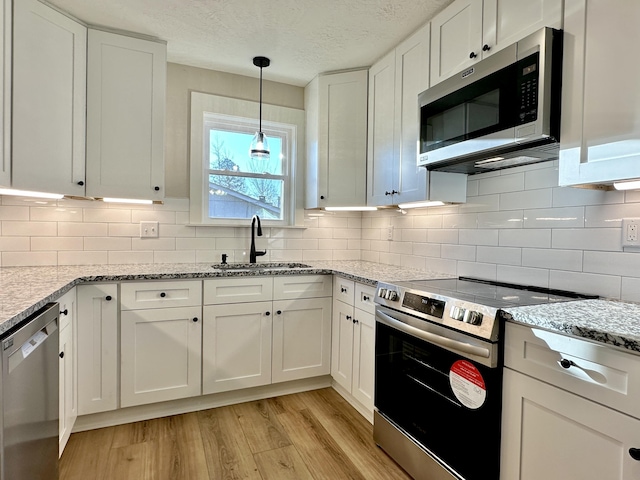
550 433
570 408
68 378
97 348
236 346
353 341
249 344
160 354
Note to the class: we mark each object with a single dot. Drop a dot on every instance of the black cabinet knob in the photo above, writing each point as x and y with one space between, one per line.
486 48
473 55
321 197
365 298
156 188
355 321
564 363
163 294
108 298
81 183
343 290
64 312
61 354
349 317
267 313
194 319
387 193
635 453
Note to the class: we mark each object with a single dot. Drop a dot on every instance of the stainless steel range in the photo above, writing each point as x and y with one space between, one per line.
439 358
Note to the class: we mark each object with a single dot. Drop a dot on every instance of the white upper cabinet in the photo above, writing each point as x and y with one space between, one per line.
469 30
336 116
126 88
381 185
49 102
5 93
600 127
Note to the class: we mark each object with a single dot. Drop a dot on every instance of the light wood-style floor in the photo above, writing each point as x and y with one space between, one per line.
311 435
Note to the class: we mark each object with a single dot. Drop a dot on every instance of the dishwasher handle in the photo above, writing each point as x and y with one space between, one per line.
36 341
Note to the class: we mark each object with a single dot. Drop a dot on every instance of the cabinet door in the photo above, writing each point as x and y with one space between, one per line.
342 139
68 401
381 158
412 78
301 339
456 38
65 387
550 433
159 355
49 100
126 85
600 96
507 21
236 346
342 344
5 92
364 337
97 348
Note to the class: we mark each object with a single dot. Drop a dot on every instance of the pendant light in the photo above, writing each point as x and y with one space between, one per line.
259 146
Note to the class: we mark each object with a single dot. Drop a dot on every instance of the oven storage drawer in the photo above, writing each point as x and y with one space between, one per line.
603 374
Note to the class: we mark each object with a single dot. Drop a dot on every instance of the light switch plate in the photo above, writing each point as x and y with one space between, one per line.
148 229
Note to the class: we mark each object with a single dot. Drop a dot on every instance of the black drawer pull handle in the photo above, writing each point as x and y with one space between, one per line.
366 298
156 188
61 355
564 363
267 313
472 55
64 312
195 319
108 298
349 317
81 183
355 321
486 48
343 290
635 453
279 312
163 294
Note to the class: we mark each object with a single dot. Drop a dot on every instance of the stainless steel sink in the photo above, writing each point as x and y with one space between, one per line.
259 267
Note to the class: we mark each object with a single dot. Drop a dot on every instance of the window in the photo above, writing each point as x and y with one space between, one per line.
228 186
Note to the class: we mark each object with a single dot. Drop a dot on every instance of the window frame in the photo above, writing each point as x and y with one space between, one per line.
229 113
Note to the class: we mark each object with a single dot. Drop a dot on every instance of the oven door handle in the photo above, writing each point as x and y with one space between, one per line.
432 337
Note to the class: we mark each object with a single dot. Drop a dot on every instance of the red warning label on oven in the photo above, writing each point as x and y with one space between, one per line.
467 384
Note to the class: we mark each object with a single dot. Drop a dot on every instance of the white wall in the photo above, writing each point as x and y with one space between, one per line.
517 226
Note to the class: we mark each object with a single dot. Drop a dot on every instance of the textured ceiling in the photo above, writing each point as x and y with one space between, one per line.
301 37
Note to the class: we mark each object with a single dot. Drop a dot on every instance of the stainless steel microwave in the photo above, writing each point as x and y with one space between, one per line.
502 112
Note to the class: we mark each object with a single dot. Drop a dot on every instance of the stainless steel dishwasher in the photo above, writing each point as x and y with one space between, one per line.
29 388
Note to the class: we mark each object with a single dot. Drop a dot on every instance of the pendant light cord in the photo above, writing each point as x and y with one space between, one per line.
260 129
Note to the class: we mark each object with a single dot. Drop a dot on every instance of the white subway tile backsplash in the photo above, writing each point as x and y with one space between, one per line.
501 255
154 244
403 248
486 271
14 213
427 249
325 244
624 264
129 258
442 236
526 199
410 261
182 256
56 243
502 183
483 203
15 244
536 238
212 232
565 217
552 259
478 237
318 255
107 215
417 235
588 283
138 216
510 219
538 277
630 289
607 239
427 221
75 229
82 258
573 197
610 215
55 214
458 252
107 243
29 229
24 259
460 220
541 178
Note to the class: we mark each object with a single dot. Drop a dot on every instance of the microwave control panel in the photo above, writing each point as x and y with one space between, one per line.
528 71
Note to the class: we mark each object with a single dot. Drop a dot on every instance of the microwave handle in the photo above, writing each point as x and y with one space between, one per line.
432 337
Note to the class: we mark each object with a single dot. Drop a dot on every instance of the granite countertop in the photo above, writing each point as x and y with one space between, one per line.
24 290
610 322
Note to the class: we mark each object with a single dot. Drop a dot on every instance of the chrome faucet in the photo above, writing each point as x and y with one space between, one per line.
253 253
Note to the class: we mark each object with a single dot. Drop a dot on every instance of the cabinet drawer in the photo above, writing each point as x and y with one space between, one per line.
238 290
600 373
140 295
301 286
343 290
364 296
67 304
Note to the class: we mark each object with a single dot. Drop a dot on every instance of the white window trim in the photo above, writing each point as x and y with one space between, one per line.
273 117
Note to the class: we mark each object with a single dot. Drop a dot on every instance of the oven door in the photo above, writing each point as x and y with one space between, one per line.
448 404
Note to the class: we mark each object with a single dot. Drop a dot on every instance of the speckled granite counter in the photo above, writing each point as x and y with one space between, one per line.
24 290
605 321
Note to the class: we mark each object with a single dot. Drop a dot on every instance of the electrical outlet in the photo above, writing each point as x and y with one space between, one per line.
630 232
390 232
148 229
